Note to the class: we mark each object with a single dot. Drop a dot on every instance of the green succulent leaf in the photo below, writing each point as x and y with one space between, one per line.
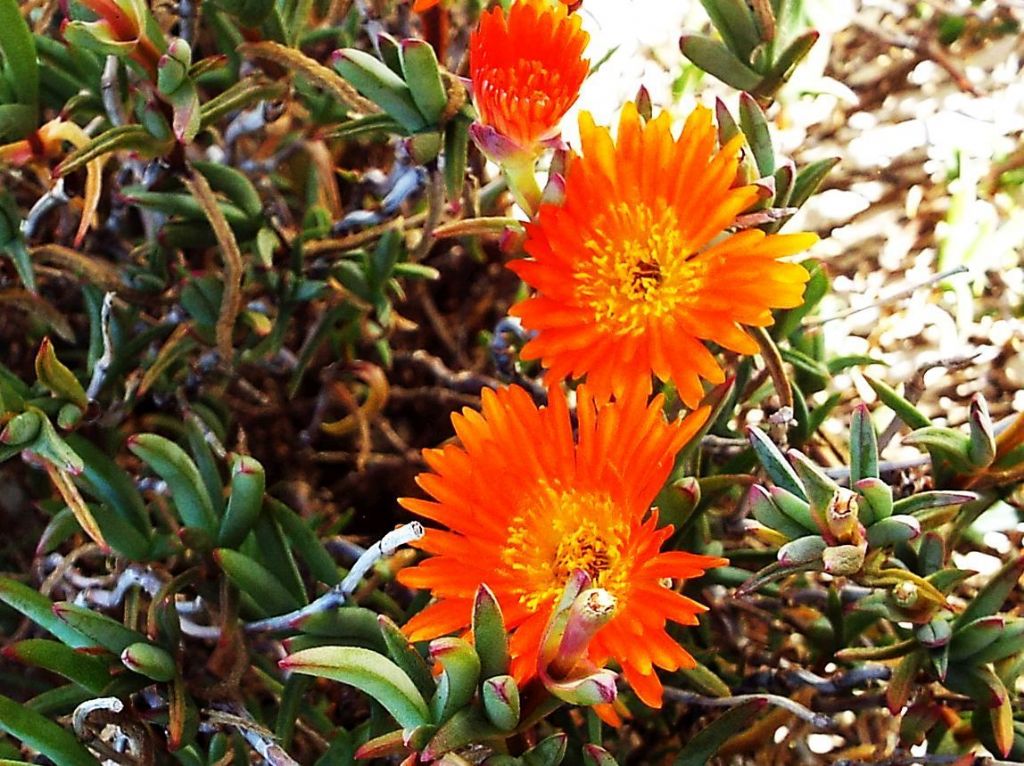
42 734
369 672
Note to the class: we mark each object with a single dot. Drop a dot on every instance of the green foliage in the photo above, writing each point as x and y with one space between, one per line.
210 399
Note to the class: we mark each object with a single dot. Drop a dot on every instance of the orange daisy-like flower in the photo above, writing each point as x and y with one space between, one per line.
526 69
527 505
632 270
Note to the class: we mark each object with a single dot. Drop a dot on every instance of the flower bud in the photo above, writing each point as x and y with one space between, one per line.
844 559
501 701
935 633
906 594
590 611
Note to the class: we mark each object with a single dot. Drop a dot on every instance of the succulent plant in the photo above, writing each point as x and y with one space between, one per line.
816 524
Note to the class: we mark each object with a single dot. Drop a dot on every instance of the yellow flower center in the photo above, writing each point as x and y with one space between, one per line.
560 532
638 269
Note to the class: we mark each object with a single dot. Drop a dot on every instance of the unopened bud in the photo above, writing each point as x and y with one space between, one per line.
844 559
590 611
501 701
906 594
171 73
935 633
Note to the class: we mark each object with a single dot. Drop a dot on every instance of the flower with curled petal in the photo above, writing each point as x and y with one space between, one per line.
527 505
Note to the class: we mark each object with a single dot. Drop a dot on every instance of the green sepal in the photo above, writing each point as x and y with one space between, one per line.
885 533
764 509
424 147
97 36
803 550
819 487
22 428
796 509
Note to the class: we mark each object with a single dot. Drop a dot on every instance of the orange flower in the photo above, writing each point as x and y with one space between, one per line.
526 505
526 69
632 270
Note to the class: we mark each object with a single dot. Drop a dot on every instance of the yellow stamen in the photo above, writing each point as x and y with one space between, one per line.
638 268
575 536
